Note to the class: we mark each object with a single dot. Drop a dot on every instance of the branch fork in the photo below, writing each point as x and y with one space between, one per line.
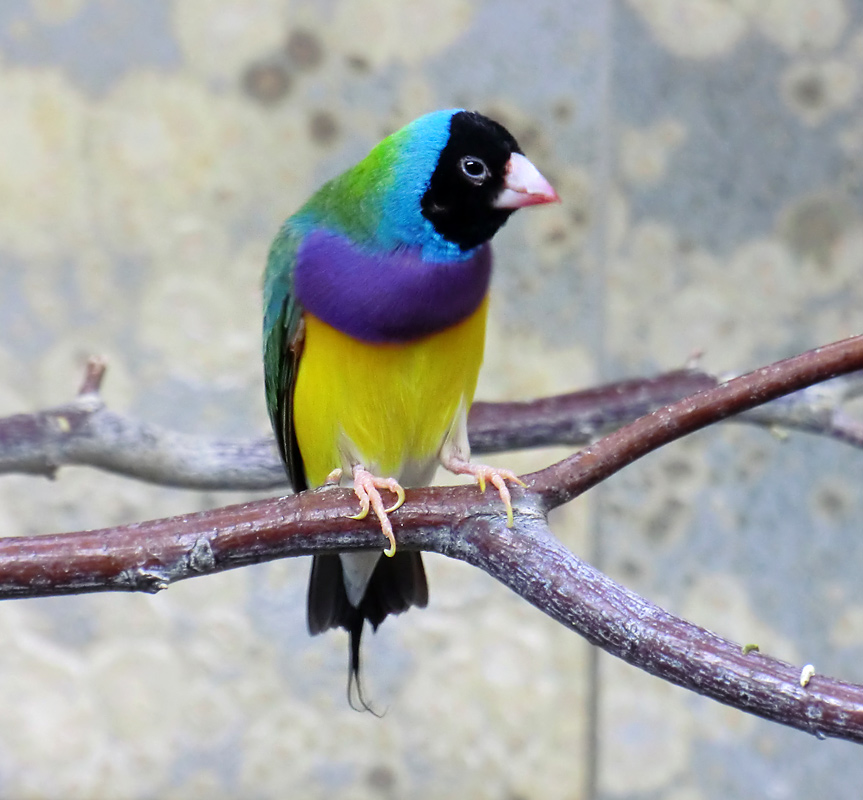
456 521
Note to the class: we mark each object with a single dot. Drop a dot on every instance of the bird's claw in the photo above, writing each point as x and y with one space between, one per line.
333 478
395 486
483 474
366 488
498 478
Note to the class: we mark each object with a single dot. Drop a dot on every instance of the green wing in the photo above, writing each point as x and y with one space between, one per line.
283 347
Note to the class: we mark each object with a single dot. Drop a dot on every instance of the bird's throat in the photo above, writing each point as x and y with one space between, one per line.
390 296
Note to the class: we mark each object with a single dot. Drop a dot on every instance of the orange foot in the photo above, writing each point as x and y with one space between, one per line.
366 488
482 473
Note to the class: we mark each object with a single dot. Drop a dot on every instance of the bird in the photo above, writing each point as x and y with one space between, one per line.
375 305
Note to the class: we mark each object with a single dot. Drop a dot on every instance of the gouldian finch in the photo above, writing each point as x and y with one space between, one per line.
375 299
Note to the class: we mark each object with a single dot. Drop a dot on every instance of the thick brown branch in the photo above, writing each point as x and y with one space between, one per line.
532 563
460 523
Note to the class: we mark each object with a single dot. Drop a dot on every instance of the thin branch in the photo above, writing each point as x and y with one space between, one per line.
461 523
817 410
571 477
94 373
85 432
577 418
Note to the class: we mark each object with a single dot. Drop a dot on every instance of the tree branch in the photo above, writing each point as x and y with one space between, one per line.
85 432
572 476
461 523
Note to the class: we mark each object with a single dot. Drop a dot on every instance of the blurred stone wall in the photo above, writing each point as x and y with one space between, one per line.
710 158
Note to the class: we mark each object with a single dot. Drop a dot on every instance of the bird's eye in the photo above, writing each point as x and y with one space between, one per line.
474 169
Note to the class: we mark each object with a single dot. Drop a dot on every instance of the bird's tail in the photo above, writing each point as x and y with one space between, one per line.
355 631
396 584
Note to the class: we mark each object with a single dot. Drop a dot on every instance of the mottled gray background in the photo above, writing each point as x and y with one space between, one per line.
710 158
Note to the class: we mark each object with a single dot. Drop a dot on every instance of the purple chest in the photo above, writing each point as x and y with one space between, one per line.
391 297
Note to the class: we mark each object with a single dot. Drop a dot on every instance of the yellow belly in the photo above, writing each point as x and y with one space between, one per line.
388 407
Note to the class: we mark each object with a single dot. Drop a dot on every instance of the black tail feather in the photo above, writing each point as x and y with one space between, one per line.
356 634
396 584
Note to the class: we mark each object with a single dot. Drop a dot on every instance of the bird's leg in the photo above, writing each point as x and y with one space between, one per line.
366 488
458 464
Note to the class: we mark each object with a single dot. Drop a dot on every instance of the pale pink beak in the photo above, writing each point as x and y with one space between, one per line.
524 185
